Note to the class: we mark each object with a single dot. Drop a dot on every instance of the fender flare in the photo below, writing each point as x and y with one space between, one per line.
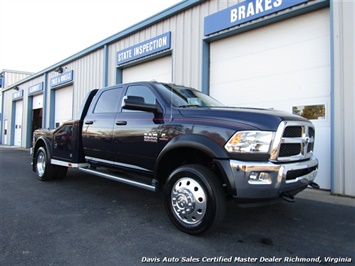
47 146
209 147
198 142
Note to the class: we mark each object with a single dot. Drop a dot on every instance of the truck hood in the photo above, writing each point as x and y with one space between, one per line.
247 118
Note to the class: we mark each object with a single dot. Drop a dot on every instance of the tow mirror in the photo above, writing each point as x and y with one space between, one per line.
137 103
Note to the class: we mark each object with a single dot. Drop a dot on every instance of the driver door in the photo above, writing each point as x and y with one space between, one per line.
135 133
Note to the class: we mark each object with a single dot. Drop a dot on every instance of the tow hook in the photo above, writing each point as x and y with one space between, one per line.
288 197
314 185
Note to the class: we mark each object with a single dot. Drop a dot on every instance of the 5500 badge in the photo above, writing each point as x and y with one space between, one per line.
154 137
150 137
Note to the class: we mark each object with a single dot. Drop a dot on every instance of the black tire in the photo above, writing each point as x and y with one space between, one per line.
44 169
194 199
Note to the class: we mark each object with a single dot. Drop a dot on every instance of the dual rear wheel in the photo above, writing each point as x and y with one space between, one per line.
45 170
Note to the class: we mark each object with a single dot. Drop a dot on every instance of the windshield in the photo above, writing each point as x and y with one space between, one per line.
181 96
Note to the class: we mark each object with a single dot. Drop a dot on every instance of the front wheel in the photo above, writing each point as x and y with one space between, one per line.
44 169
194 199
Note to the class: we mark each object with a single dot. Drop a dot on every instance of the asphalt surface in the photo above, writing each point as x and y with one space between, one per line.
87 220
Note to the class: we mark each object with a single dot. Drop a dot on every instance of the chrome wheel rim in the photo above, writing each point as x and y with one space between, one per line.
41 164
189 201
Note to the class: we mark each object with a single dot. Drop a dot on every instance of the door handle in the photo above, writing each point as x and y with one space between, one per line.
121 123
89 122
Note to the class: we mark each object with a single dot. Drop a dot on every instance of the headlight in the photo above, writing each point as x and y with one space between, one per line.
250 142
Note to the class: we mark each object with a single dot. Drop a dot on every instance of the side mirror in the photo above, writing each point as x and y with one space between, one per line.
137 103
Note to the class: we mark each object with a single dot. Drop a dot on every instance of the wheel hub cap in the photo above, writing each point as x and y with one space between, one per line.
184 201
189 200
41 164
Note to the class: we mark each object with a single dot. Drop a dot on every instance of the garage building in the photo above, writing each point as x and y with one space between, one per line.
295 56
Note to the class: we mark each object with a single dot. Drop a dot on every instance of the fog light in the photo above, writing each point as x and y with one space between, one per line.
253 176
264 177
259 178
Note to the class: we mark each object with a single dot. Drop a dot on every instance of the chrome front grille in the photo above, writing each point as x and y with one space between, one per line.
293 132
294 141
290 149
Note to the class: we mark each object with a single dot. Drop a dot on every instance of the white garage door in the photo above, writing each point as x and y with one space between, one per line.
37 101
18 123
63 105
280 66
159 70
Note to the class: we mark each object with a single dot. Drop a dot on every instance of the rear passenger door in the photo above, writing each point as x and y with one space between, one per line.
98 125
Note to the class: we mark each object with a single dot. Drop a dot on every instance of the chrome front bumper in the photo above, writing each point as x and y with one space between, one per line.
257 181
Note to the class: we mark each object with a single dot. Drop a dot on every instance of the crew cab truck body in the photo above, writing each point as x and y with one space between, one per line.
162 136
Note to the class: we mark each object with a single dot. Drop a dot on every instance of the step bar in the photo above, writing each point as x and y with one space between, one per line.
124 180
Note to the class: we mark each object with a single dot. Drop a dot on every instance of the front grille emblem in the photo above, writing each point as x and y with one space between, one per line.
305 141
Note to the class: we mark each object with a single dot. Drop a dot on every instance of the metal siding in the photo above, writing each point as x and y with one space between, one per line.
344 97
186 42
32 82
88 75
50 100
187 28
13 77
192 35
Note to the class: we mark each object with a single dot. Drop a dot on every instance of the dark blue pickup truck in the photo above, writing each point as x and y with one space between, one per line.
162 136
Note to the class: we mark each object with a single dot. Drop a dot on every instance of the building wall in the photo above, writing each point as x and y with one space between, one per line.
186 42
8 77
26 108
88 75
11 77
129 41
344 97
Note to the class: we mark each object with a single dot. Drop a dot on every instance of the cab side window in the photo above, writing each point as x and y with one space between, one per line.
142 91
108 102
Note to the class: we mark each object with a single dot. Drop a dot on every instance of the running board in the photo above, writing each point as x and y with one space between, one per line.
152 187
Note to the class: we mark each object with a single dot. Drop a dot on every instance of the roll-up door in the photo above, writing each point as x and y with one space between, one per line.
286 66
63 105
37 112
5 131
37 102
18 123
158 69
